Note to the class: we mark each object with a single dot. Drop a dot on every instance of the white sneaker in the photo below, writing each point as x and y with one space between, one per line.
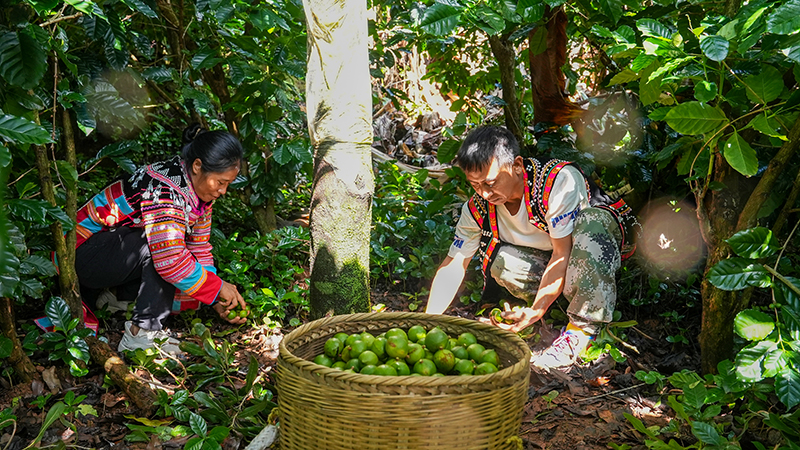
158 339
114 305
564 351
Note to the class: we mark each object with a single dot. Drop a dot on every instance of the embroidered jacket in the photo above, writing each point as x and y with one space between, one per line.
538 182
160 198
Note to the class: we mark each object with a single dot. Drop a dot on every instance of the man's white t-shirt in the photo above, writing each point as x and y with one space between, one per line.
567 198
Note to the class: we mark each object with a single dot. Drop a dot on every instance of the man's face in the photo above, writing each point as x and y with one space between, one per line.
497 184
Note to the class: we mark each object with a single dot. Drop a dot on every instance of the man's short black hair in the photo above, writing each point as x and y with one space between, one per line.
484 143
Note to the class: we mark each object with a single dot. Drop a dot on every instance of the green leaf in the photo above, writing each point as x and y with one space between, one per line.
205 58
706 433
659 114
42 6
37 265
58 312
219 433
6 346
447 150
143 6
705 91
22 131
639 426
31 287
642 61
22 60
734 274
714 47
55 413
764 87
625 76
740 155
440 19
67 173
651 27
159 74
119 149
767 125
695 395
198 424
85 6
785 19
489 20
753 325
754 243
787 386
195 443
748 361
531 11
677 406
612 8
538 42
695 118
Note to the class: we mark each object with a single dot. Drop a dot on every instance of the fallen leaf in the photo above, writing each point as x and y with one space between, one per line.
606 415
148 422
67 434
599 381
109 400
50 378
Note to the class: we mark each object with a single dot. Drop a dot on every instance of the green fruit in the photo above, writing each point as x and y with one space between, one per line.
425 367
444 360
485 368
396 346
383 369
415 353
351 338
368 358
323 360
451 343
428 354
243 313
232 315
415 333
490 356
354 364
368 338
333 347
475 351
341 365
460 352
437 374
464 367
379 347
421 341
467 339
400 366
396 332
368 370
436 339
342 337
357 347
345 355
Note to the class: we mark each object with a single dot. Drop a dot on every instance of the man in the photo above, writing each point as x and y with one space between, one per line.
538 236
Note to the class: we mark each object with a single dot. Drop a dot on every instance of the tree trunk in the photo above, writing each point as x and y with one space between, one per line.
23 367
137 391
791 200
548 82
340 126
506 56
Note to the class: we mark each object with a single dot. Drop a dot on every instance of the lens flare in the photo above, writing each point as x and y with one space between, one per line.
671 243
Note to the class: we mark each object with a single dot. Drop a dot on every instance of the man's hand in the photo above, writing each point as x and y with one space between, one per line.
229 299
521 317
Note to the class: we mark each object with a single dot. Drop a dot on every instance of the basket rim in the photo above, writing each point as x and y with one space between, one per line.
404 380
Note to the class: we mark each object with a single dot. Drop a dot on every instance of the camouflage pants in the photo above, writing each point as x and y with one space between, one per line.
589 286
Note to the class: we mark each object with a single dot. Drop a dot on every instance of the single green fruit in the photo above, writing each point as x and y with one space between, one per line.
400 366
436 339
232 315
342 337
368 369
243 313
464 367
415 353
354 364
475 351
368 338
428 354
345 355
460 352
421 341
444 360
415 333
490 356
425 367
323 360
396 332
383 369
396 346
357 347
379 347
341 365
467 339
437 374
349 371
451 343
333 347
351 338
485 368
368 358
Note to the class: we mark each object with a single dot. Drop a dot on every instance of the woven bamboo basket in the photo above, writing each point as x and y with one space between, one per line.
324 408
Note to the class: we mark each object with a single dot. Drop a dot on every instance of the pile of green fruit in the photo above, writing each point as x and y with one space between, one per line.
415 352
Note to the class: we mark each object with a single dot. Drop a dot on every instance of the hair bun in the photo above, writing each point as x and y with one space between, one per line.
191 132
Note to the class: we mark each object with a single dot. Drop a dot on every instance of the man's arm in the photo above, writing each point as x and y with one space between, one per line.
446 282
549 289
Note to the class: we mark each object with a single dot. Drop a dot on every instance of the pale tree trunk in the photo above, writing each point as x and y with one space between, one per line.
506 56
339 123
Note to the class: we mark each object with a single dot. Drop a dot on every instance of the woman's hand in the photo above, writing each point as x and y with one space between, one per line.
229 299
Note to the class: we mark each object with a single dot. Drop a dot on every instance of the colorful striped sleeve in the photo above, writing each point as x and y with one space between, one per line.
165 225
108 208
198 240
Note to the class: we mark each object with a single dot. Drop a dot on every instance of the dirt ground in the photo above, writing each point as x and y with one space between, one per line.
578 409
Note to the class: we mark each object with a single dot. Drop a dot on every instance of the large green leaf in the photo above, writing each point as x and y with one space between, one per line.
652 27
695 118
705 91
146 7
714 47
767 125
612 8
623 77
489 20
748 361
538 42
754 243
440 19
531 10
22 131
785 19
706 433
753 325
447 151
764 87
58 312
787 386
205 58
740 155
37 265
22 60
119 148
42 6
734 274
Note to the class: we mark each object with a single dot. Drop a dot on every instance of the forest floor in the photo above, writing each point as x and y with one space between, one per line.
578 409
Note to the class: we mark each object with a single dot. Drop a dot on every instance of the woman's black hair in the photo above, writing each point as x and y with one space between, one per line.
218 151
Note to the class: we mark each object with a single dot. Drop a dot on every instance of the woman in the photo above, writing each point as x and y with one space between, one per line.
151 230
